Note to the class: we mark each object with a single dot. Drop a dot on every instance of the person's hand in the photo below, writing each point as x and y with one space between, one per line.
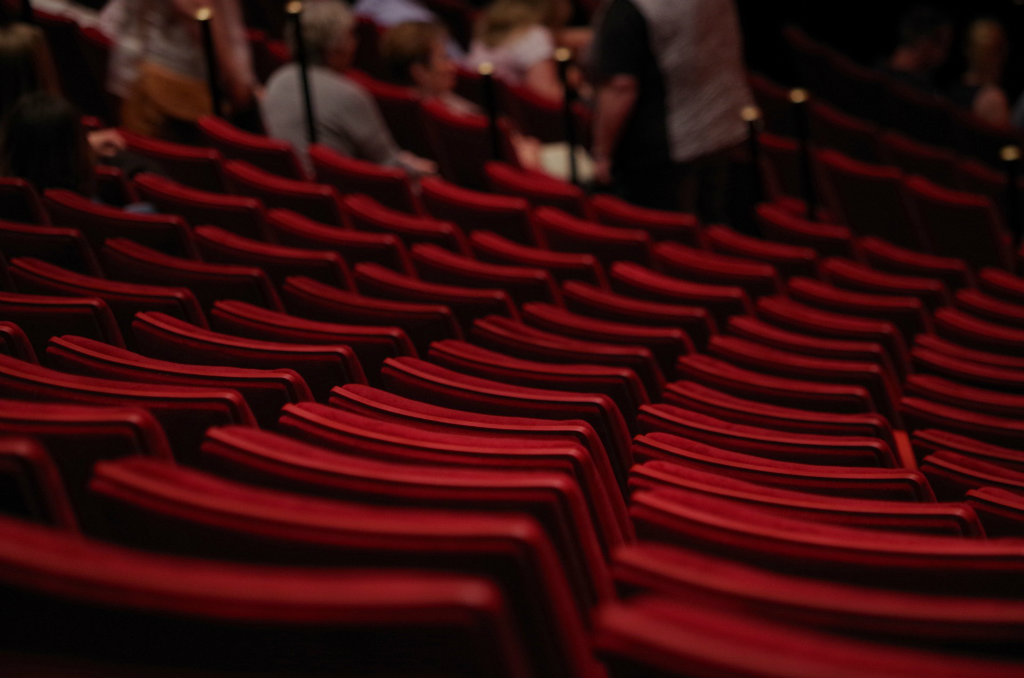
106 143
602 170
415 164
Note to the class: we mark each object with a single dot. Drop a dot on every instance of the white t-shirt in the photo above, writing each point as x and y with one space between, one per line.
516 55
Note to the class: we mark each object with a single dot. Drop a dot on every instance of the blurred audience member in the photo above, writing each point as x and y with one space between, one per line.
980 88
670 85
926 35
347 118
388 13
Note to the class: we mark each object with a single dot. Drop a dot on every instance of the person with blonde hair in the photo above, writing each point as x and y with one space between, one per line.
519 37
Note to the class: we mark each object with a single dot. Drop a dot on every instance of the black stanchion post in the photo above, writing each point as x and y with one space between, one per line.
564 58
294 10
27 15
486 71
798 97
204 15
752 116
1010 155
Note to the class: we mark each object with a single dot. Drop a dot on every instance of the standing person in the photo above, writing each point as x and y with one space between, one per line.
670 85
158 64
347 118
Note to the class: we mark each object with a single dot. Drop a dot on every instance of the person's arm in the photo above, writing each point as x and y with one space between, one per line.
542 79
613 105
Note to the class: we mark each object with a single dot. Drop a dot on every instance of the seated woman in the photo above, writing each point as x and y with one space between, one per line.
980 88
519 37
415 56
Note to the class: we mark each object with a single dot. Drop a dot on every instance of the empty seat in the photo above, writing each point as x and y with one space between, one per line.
266 391
19 202
855 276
195 166
906 313
659 224
761 332
277 462
524 341
165 233
354 246
919 413
798 317
962 225
566 233
541 190
145 503
869 199
990 308
785 391
781 445
270 155
955 350
466 302
985 401
888 257
561 265
680 261
832 127
879 382
591 300
124 299
65 247
92 597
33 489
387 185
721 301
781 225
423 323
653 636
952 475
418 379
1004 378
909 619
788 260
611 512
666 344
618 383
316 201
238 214
372 344
277 261
936 164
523 284
40 317
135 263
366 214
695 397
184 411
912 562
321 365
14 342
964 328
1002 284
508 216
950 518
1001 511
462 144
926 441
664 451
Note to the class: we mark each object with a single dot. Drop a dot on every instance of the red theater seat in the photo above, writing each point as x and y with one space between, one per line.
315 201
524 284
40 317
926 441
788 260
238 214
561 265
952 475
15 343
564 232
885 256
779 224
270 155
194 166
659 224
756 278
64 247
387 185
20 202
508 216
855 276
541 190
366 214
33 489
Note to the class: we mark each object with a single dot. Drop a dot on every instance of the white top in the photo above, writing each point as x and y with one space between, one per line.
516 55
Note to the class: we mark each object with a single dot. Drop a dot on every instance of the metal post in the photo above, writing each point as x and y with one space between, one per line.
294 10
204 15
752 116
27 14
564 57
798 97
486 71
1010 155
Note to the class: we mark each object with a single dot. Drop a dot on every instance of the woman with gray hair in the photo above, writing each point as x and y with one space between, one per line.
346 117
